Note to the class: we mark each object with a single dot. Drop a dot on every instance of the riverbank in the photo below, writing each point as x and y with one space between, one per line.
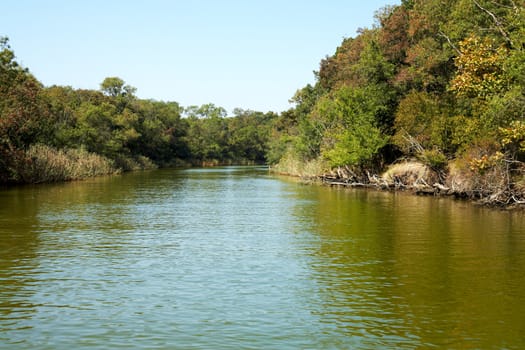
45 164
500 186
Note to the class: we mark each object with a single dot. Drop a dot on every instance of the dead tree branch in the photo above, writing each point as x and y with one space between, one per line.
497 22
450 42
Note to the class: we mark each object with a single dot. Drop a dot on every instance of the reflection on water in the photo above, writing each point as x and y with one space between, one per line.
404 271
230 258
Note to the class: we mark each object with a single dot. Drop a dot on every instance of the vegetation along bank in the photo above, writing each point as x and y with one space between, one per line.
431 98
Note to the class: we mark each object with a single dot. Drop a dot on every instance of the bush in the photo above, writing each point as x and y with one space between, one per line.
349 118
434 158
135 163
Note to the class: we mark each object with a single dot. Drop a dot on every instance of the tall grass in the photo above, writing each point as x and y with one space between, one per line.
290 164
42 163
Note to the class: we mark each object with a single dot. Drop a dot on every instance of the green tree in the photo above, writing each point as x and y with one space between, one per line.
248 135
308 140
282 136
348 118
116 87
162 131
207 132
208 110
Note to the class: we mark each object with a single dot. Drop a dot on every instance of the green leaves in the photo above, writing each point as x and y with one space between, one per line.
434 79
239 139
115 87
348 120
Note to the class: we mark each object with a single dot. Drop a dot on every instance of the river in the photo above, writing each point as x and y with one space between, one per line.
236 258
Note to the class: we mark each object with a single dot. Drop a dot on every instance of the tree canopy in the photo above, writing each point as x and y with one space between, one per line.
444 74
38 125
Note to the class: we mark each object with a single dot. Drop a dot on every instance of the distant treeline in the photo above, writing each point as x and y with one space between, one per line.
59 133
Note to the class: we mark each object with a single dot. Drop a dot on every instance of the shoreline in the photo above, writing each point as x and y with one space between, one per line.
417 179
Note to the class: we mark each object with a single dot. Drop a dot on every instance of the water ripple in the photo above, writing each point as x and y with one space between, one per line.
231 258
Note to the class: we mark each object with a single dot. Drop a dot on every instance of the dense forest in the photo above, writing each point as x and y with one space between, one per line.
432 94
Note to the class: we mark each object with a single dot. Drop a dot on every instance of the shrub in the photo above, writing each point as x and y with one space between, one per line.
434 158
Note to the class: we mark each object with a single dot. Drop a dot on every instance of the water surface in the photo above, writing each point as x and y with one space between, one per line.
234 258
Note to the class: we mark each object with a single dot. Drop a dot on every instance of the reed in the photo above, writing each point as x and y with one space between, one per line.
292 165
43 163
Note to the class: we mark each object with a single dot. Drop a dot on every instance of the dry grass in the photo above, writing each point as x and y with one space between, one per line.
459 178
409 173
46 164
496 184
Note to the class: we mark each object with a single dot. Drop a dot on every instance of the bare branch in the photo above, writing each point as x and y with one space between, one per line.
497 22
411 140
450 42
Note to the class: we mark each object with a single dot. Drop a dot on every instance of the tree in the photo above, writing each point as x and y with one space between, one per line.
393 38
307 142
208 110
116 87
24 117
161 131
347 117
207 132
249 135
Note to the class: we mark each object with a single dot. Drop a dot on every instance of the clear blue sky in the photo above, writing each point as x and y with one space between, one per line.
233 53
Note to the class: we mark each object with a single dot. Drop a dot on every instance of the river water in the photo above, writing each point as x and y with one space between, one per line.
235 258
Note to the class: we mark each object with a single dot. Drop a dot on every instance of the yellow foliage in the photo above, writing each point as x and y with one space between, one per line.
486 162
515 134
480 67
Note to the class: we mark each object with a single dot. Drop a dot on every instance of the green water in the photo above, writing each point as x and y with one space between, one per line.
234 258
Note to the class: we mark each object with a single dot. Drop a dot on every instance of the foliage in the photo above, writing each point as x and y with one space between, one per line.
24 117
513 138
451 71
59 133
114 87
480 67
414 117
486 162
436 80
348 119
434 158
214 138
